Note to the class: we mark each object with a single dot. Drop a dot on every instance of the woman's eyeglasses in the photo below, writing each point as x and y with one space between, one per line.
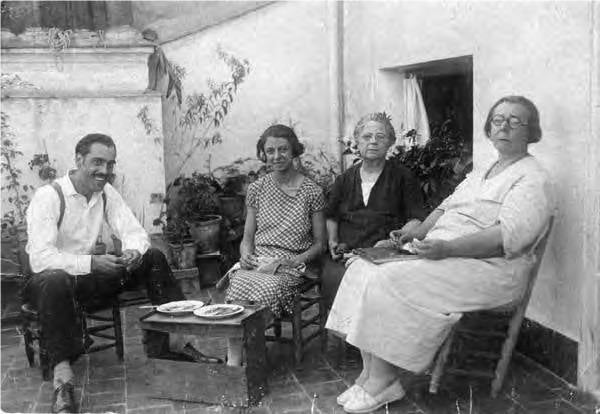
513 121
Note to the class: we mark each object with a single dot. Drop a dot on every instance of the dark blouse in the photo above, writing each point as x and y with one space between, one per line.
395 198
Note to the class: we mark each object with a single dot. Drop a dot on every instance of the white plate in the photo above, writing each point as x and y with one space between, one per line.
180 307
219 311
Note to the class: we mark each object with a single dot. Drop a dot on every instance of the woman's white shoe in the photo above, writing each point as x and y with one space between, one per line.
344 397
362 402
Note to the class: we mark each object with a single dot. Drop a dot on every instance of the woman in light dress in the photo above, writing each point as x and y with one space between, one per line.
284 231
474 252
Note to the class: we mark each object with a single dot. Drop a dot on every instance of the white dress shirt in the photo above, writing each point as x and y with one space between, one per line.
69 247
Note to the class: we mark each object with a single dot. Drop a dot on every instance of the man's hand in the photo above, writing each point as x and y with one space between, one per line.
433 249
131 259
107 264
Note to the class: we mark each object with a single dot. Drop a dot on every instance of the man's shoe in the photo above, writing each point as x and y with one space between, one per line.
198 356
63 400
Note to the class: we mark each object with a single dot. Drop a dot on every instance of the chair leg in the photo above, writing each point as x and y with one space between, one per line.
44 360
322 321
28 339
439 363
277 328
297 330
506 354
116 311
340 351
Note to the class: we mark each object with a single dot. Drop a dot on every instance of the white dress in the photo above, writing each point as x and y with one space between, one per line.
402 311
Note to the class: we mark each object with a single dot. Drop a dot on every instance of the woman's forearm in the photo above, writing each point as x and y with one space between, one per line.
423 228
483 244
246 247
319 243
311 254
332 230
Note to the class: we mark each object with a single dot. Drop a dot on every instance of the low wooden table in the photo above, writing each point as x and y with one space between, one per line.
215 383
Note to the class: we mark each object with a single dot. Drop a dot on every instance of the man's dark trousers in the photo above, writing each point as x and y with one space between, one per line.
56 295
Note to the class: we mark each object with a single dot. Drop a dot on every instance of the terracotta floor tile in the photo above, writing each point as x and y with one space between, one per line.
97 373
282 402
554 406
162 409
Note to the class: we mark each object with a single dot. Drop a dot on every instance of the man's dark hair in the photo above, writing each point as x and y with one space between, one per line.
85 143
279 131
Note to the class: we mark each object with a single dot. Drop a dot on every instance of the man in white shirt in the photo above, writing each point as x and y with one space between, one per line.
64 221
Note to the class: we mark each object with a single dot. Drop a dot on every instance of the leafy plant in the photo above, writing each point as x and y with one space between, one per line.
41 162
149 126
59 39
17 192
204 113
320 167
188 199
440 165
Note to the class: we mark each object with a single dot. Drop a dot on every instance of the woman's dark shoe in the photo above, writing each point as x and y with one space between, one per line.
198 356
63 400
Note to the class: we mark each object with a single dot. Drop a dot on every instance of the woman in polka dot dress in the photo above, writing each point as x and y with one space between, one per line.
284 229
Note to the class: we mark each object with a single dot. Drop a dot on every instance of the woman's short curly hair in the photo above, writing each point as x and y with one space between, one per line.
535 130
381 117
279 131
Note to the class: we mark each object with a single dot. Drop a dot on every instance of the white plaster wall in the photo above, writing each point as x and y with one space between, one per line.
538 49
287 47
58 123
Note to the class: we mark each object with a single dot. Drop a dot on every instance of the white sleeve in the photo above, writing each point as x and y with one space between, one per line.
42 232
524 213
124 223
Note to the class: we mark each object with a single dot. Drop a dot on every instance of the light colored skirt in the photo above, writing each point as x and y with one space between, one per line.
401 312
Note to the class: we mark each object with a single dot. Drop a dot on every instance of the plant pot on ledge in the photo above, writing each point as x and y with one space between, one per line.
205 231
184 254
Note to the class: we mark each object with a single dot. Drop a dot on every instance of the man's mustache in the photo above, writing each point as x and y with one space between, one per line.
107 177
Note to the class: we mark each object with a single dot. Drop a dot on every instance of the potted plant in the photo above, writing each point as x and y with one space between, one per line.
439 165
192 212
200 209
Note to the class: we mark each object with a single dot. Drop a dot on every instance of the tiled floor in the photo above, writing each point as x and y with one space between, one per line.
105 385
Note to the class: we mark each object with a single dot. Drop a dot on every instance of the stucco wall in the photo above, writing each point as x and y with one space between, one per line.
541 50
58 123
287 47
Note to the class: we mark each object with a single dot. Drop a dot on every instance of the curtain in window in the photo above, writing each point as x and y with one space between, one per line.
415 115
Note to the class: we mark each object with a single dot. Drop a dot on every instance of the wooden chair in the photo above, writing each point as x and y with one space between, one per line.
302 317
490 329
32 331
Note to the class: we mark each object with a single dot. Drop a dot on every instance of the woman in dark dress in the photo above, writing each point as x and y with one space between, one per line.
369 200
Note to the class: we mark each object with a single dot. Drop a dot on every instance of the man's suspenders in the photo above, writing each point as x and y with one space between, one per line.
61 198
